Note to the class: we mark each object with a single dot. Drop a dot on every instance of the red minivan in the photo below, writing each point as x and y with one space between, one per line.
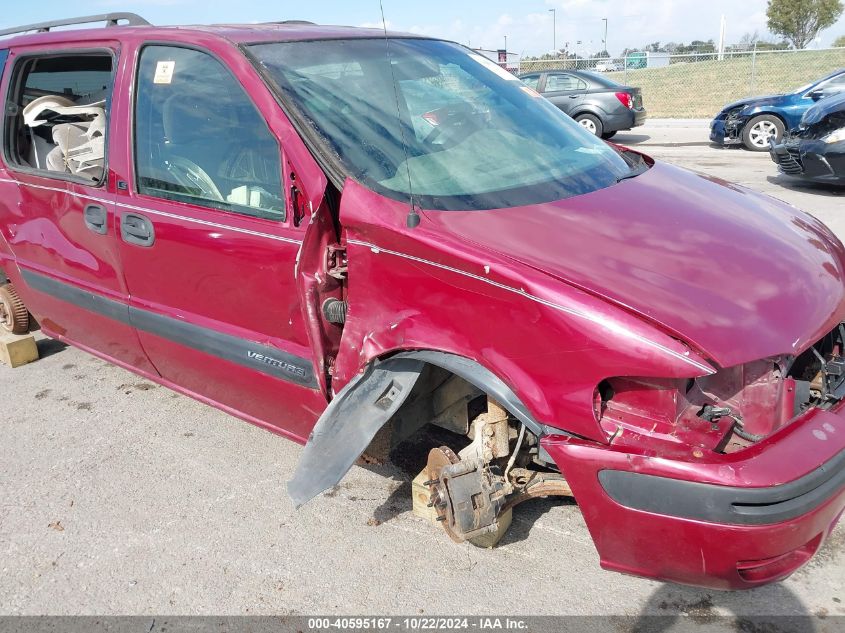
344 235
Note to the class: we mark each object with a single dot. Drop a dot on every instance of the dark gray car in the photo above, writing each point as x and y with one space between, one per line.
599 104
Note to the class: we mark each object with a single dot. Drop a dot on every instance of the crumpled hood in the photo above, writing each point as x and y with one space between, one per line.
755 101
823 109
738 275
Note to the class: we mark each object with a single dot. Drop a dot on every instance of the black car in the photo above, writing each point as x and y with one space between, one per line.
815 150
600 104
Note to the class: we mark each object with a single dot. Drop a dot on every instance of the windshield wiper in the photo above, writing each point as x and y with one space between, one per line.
635 171
637 163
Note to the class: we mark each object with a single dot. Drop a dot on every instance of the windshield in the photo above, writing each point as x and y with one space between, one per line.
434 120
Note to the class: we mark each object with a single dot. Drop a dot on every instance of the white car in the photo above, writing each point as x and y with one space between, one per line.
608 67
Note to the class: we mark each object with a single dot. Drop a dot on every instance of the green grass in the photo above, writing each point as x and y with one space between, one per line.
700 89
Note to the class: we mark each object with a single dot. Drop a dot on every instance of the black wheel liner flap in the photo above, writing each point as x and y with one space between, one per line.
367 403
349 424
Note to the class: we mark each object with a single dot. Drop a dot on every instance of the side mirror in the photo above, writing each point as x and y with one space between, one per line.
816 95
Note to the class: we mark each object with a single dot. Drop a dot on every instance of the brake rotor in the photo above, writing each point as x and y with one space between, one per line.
14 316
438 459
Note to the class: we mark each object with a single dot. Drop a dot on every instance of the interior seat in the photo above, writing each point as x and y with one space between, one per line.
186 124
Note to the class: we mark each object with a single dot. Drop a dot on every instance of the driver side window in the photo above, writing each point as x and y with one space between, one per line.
199 138
834 86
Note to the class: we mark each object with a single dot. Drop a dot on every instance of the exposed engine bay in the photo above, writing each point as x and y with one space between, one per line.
731 409
825 123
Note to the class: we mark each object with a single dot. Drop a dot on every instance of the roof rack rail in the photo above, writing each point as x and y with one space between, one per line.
291 22
111 19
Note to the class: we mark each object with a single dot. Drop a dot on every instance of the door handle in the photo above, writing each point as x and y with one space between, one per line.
574 96
96 218
137 229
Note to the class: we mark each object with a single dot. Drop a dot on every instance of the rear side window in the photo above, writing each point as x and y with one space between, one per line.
199 138
57 115
556 83
531 81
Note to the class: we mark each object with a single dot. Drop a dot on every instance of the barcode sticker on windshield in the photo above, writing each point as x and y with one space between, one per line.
164 72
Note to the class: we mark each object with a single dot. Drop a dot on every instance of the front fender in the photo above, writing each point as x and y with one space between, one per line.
750 112
409 335
551 343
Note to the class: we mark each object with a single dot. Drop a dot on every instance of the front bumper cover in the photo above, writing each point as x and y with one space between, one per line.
707 520
726 132
726 504
810 159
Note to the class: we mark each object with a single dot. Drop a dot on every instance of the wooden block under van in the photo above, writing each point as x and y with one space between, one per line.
17 350
421 497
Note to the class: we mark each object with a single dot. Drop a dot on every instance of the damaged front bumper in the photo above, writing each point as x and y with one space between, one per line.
810 159
726 130
726 521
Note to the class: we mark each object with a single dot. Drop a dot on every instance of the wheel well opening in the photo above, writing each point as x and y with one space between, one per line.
468 459
440 409
774 115
445 409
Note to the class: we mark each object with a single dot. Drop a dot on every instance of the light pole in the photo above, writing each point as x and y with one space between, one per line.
605 37
554 30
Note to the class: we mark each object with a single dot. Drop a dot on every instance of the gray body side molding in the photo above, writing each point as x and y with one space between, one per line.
367 403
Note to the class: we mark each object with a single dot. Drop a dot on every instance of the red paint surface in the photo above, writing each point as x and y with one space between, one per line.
739 275
668 276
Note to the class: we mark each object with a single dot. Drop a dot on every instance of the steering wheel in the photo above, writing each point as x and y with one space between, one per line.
188 174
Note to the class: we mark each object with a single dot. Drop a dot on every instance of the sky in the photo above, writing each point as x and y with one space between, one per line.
479 23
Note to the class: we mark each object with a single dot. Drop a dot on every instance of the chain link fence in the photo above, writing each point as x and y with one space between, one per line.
698 85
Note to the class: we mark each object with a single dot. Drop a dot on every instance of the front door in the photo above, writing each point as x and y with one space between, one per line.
210 241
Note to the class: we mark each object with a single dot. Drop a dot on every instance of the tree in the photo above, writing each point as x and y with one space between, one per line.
753 41
799 21
839 42
748 41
